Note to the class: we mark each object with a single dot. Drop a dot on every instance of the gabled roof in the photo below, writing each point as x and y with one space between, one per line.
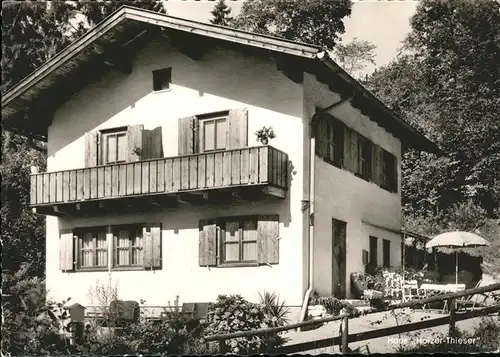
28 106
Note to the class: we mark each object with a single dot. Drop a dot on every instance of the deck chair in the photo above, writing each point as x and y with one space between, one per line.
410 290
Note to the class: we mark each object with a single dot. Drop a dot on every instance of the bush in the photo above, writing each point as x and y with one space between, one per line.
333 305
31 325
231 314
275 310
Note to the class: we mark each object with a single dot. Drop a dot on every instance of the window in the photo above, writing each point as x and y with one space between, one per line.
335 140
131 246
386 250
162 79
92 248
364 157
213 134
389 172
239 240
128 246
114 146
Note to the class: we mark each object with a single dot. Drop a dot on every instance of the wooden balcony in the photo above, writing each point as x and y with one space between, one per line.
252 172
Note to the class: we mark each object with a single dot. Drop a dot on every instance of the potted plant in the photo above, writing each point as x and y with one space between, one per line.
263 135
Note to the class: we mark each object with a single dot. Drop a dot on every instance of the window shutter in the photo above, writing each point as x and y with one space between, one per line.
134 141
268 239
395 180
152 147
152 246
377 153
237 129
91 151
321 137
66 250
351 149
188 135
208 243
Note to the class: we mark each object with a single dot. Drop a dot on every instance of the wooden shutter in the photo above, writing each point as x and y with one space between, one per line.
322 137
152 147
66 250
351 149
377 162
152 245
188 135
208 243
134 142
268 239
91 148
237 129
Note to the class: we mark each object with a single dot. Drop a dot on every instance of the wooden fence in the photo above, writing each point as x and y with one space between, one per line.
343 339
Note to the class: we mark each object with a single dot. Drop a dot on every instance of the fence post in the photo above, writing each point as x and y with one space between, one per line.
344 331
451 306
222 347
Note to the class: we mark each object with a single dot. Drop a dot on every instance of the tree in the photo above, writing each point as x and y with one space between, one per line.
354 56
220 14
95 11
317 22
448 85
33 32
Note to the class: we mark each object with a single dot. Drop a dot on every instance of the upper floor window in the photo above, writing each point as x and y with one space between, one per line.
162 79
214 133
92 248
364 157
335 152
114 147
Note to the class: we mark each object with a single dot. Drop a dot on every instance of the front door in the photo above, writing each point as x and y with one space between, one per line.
339 258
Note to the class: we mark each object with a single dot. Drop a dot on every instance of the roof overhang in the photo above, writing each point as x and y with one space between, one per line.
27 108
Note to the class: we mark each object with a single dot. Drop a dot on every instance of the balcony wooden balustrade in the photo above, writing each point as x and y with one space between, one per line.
263 168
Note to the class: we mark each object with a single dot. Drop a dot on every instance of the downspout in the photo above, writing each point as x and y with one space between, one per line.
312 167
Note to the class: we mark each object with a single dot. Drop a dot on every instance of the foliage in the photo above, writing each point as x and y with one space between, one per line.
318 22
448 85
95 11
31 325
274 309
23 232
220 14
234 314
263 135
354 56
333 305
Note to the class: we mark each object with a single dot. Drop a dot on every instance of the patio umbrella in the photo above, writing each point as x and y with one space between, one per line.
457 240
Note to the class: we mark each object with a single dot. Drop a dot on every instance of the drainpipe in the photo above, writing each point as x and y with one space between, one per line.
312 167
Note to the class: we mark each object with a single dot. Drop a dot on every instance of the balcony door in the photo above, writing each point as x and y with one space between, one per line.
339 258
214 134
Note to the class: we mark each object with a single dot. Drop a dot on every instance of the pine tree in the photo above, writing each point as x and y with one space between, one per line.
220 14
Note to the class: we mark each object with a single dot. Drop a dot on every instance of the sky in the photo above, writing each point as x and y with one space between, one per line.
385 23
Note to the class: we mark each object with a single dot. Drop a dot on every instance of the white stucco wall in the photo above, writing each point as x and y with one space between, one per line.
343 196
221 80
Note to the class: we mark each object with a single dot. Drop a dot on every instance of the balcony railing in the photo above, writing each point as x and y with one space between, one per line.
251 166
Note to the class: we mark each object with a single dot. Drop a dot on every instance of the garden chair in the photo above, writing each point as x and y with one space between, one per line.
410 290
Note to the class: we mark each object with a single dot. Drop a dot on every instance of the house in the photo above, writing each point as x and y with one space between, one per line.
155 177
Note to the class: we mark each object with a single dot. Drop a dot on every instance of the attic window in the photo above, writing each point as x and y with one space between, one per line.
162 78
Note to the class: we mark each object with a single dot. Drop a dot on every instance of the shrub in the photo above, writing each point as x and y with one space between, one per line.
31 325
275 310
333 305
234 314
